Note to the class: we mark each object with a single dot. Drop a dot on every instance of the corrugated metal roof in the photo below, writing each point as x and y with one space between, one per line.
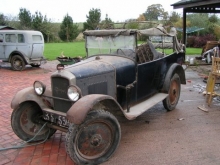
183 2
195 3
6 27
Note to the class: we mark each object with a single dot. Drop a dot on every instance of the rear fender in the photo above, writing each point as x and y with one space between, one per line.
174 68
17 53
77 113
28 94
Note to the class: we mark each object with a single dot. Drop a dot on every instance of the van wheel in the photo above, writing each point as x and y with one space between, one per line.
17 63
95 140
172 99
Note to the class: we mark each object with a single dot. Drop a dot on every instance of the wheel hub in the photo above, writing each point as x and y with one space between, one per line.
96 140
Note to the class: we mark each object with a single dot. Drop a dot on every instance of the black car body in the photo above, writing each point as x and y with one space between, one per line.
118 76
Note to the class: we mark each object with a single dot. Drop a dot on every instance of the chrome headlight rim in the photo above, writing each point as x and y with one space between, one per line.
74 93
39 88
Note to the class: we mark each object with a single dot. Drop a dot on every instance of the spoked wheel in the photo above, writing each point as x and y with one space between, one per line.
174 93
17 63
24 123
95 140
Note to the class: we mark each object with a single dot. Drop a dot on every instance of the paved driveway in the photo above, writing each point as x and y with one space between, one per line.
186 135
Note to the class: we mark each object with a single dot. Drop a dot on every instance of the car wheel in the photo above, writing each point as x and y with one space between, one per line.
35 65
17 63
95 140
24 123
174 93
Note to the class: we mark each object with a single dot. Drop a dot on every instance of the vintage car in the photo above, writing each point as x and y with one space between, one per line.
118 77
21 48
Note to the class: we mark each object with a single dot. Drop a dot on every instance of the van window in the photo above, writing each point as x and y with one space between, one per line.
20 38
1 37
10 38
36 38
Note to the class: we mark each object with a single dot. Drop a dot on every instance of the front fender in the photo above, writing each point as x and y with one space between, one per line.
77 113
28 94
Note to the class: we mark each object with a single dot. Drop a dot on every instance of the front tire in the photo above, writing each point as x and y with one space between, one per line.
174 93
24 123
17 63
95 140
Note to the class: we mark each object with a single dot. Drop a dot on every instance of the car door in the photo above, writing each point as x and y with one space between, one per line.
149 75
10 43
37 46
2 55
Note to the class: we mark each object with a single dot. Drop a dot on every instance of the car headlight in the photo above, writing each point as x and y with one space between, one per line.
39 88
73 93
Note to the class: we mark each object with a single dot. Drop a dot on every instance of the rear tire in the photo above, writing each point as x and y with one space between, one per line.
174 93
17 63
95 140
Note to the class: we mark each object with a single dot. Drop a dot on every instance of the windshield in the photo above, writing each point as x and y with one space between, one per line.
119 45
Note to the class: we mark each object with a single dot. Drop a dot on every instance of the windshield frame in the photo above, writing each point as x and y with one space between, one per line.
120 45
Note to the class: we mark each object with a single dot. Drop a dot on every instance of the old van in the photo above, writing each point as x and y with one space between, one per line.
22 47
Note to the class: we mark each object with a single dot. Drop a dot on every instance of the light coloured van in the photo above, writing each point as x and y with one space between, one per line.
22 47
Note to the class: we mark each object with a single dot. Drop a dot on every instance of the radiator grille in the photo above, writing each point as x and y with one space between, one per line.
59 89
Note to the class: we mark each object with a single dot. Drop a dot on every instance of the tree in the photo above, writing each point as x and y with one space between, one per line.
2 20
203 20
107 23
155 12
25 18
68 30
93 19
131 24
42 24
141 17
37 21
217 31
174 17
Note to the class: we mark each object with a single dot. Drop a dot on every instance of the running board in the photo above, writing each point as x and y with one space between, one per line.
140 108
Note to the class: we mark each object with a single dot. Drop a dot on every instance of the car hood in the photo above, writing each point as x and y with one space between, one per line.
98 65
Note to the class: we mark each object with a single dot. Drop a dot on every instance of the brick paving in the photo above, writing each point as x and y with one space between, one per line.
51 152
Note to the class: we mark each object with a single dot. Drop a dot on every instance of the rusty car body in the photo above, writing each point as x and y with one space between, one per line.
119 76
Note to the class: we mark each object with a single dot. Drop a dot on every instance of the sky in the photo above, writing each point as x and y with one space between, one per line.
117 10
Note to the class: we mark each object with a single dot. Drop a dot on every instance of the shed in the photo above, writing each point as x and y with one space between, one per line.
6 28
196 6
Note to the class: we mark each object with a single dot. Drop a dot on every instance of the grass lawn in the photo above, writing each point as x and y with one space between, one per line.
71 49
74 49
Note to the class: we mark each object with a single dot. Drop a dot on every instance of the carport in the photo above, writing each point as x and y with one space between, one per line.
196 6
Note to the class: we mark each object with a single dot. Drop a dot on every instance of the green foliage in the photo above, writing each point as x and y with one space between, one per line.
203 20
35 22
68 30
213 18
155 12
132 24
93 19
2 20
42 24
217 31
174 17
107 23
25 18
